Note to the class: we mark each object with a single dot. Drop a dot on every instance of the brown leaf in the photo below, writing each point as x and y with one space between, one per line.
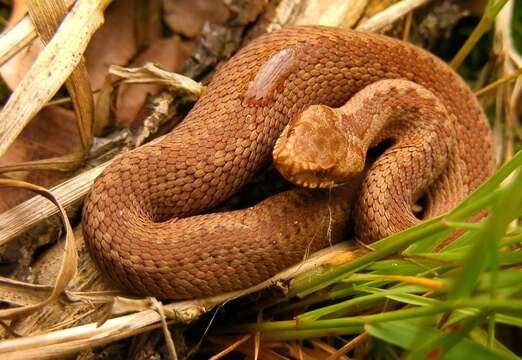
51 133
188 16
14 70
114 43
170 54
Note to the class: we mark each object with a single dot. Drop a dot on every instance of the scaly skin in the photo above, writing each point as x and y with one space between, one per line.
325 147
129 220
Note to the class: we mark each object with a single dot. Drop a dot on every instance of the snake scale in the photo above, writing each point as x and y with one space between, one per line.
141 219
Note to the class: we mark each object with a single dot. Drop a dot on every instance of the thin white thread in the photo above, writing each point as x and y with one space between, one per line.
330 217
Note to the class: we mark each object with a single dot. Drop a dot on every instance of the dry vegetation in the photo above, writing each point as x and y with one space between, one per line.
81 87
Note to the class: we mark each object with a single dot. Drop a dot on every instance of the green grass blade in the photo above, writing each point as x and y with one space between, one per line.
443 342
344 306
405 334
484 252
495 180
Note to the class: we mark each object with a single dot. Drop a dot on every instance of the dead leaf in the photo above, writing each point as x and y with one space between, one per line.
188 16
14 70
51 133
114 43
170 54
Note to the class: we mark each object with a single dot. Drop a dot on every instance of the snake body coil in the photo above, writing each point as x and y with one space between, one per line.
140 221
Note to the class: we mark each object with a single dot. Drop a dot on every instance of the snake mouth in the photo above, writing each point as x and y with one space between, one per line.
304 173
312 179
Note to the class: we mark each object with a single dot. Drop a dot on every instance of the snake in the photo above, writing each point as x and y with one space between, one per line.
315 100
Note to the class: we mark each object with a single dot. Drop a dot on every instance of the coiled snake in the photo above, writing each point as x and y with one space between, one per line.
140 220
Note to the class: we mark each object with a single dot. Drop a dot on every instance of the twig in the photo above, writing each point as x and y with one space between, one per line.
391 14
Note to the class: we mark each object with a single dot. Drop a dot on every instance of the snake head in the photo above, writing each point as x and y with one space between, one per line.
316 151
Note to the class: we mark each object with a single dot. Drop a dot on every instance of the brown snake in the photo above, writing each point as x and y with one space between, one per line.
140 221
